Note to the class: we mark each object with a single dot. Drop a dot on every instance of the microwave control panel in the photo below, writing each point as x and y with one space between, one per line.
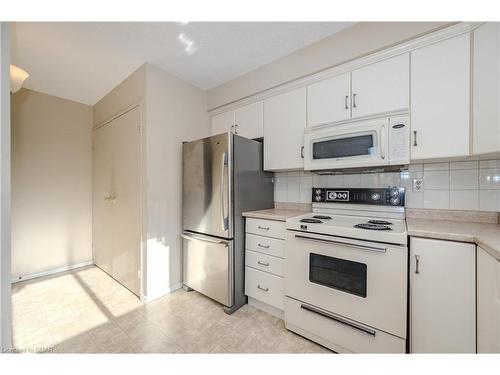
399 140
394 196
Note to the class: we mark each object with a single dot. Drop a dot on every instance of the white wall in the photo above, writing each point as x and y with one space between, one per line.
358 40
5 248
51 183
468 185
175 112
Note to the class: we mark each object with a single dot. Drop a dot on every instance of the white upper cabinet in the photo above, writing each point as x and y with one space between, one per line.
249 120
486 89
284 123
440 99
381 87
223 122
329 100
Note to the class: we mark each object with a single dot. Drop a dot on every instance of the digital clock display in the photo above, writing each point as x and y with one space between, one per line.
337 196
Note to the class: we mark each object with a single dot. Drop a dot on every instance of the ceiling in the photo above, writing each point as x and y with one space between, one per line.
83 61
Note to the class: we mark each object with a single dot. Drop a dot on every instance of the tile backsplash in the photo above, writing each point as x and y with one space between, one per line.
467 185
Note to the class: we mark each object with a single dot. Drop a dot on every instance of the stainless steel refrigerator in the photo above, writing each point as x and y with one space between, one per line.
222 177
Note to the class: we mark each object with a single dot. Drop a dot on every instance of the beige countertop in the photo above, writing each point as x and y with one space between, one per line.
278 214
485 235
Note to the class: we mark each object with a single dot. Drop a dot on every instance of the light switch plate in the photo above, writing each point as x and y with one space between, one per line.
418 185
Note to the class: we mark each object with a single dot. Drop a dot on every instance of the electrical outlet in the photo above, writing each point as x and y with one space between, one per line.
418 185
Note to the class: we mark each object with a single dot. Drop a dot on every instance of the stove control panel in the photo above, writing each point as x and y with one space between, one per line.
394 196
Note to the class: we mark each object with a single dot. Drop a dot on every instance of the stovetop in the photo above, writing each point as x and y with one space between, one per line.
359 227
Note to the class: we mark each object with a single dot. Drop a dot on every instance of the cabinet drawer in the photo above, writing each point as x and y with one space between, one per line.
266 245
269 228
338 336
264 287
264 262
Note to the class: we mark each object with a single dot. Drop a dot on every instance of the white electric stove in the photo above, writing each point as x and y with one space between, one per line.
346 270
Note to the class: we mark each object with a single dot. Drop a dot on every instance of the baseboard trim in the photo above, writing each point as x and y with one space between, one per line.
172 288
51 272
266 308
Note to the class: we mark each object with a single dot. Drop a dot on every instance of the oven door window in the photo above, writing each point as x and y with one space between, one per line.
340 274
361 145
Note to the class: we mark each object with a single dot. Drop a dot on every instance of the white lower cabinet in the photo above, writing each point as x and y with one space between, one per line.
488 303
264 264
442 296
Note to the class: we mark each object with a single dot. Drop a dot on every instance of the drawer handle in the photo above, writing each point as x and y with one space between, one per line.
264 289
338 319
263 246
263 264
265 228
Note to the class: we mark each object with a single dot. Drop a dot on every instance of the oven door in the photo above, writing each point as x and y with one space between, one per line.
353 145
360 280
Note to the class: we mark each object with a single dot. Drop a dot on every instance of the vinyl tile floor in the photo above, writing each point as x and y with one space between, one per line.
86 311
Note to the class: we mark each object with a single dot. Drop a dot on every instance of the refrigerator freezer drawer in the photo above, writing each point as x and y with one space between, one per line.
208 266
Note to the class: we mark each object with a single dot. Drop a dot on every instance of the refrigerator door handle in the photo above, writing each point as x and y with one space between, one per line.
225 218
197 237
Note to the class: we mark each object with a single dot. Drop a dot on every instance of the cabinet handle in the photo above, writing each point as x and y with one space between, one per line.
417 259
262 263
414 138
263 246
264 289
354 100
265 228
346 106
302 152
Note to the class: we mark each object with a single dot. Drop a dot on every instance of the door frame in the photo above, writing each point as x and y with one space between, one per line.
142 189
5 170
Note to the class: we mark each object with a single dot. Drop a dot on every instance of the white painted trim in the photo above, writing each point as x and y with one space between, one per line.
52 271
266 308
350 65
172 288
5 193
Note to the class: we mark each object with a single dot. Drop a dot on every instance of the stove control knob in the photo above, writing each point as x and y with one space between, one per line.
318 191
395 201
394 192
375 196
317 198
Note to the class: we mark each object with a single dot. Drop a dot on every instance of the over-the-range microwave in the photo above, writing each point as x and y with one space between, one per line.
371 143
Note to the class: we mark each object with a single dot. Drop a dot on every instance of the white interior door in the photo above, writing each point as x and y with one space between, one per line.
116 211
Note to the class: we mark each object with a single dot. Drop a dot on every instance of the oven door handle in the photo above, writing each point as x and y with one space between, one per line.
361 247
338 319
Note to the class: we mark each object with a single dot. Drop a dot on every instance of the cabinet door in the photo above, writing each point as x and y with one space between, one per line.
442 297
488 303
249 120
223 122
381 87
440 99
486 89
329 100
284 123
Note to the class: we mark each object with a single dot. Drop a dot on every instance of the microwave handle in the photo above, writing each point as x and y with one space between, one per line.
383 138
